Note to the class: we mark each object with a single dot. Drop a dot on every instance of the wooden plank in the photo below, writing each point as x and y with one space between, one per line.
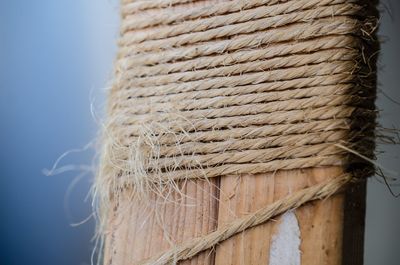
139 231
321 223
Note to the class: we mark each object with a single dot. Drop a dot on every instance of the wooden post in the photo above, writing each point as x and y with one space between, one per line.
328 228
138 233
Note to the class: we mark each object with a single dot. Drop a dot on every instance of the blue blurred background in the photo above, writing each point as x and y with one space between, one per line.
56 59
55 62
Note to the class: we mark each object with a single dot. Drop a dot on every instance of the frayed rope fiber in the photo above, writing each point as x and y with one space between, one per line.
238 87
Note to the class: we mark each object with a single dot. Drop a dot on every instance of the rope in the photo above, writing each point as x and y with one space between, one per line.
237 87
131 23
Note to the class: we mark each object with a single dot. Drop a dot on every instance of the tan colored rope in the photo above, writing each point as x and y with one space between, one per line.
131 23
213 10
250 168
237 87
249 132
240 68
253 108
299 31
245 28
222 101
176 125
320 83
253 144
272 76
279 49
134 6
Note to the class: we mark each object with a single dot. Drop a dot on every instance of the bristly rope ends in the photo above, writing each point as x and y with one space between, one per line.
237 87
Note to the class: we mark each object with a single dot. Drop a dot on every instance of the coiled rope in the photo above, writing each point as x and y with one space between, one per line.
238 87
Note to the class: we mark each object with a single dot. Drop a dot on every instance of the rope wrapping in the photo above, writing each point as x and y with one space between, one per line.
238 87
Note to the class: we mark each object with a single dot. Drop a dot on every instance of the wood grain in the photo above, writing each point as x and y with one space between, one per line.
140 230
321 222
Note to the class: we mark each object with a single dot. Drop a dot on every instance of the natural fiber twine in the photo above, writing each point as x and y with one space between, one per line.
238 87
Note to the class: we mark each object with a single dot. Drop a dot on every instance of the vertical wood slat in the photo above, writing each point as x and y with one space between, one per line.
140 231
321 222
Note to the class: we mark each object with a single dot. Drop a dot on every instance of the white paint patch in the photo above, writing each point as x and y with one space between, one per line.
285 247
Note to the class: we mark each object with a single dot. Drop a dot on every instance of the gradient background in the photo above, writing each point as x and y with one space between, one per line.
55 63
